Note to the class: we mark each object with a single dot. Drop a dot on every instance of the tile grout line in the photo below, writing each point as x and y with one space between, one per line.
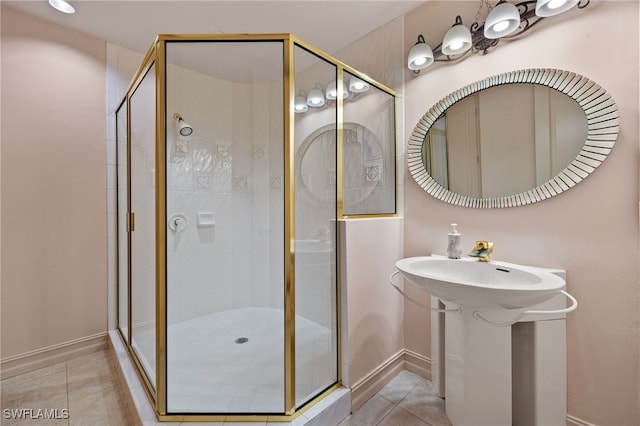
397 404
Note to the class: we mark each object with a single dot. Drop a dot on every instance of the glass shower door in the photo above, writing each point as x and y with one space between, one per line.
143 255
316 334
225 296
123 208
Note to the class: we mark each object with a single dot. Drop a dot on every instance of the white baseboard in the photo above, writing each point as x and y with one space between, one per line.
572 420
418 364
45 357
369 385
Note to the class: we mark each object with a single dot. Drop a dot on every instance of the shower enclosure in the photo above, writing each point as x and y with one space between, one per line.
237 155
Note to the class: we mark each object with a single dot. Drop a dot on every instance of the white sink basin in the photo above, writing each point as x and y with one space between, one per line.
472 283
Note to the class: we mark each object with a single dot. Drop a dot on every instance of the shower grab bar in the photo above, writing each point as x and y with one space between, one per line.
574 305
410 299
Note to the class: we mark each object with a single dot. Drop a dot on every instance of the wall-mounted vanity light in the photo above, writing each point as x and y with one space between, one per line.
300 104
457 40
505 20
319 97
332 91
420 56
357 85
315 99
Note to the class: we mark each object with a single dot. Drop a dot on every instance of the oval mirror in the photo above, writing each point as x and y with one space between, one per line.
513 139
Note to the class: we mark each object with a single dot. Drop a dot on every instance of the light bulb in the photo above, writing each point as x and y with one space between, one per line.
455 45
62 6
554 4
332 92
546 8
358 86
300 104
500 26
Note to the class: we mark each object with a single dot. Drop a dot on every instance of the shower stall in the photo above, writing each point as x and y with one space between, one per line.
237 156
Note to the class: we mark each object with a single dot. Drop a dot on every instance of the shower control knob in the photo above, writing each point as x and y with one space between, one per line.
177 222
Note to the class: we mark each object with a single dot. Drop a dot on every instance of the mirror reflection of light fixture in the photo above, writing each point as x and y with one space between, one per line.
332 91
184 128
420 55
300 104
546 8
504 21
457 40
357 85
315 98
62 6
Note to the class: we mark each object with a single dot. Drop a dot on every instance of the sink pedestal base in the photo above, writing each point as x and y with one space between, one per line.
501 376
478 371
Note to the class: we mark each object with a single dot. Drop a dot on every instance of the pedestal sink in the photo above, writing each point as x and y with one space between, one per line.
497 373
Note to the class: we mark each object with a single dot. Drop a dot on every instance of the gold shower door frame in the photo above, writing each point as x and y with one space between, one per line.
156 56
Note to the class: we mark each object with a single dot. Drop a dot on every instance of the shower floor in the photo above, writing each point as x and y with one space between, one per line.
208 372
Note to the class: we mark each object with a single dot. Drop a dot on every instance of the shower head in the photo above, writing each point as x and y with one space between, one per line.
184 128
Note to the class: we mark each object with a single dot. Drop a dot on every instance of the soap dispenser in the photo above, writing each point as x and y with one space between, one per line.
453 249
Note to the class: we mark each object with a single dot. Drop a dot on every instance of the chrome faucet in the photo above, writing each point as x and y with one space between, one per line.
482 251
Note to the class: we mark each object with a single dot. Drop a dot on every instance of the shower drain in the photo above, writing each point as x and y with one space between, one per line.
241 340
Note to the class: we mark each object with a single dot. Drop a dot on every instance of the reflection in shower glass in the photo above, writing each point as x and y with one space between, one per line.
225 275
315 245
143 243
369 173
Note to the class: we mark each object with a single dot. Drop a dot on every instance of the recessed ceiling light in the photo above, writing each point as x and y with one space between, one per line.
62 6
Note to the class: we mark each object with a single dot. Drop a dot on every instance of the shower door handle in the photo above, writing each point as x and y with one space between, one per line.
131 222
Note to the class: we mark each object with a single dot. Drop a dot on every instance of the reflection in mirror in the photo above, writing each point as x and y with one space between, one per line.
513 139
504 140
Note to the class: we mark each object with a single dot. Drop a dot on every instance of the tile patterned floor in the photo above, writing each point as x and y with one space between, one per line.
82 391
87 388
407 400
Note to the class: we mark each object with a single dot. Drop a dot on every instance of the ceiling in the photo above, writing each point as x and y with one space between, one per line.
329 25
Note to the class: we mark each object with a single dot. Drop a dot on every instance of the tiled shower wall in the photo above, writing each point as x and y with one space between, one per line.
231 166
229 170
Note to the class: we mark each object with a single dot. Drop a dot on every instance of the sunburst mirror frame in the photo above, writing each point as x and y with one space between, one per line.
602 121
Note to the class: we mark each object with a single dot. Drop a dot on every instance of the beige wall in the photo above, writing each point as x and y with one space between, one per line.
54 281
54 192
375 311
591 231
